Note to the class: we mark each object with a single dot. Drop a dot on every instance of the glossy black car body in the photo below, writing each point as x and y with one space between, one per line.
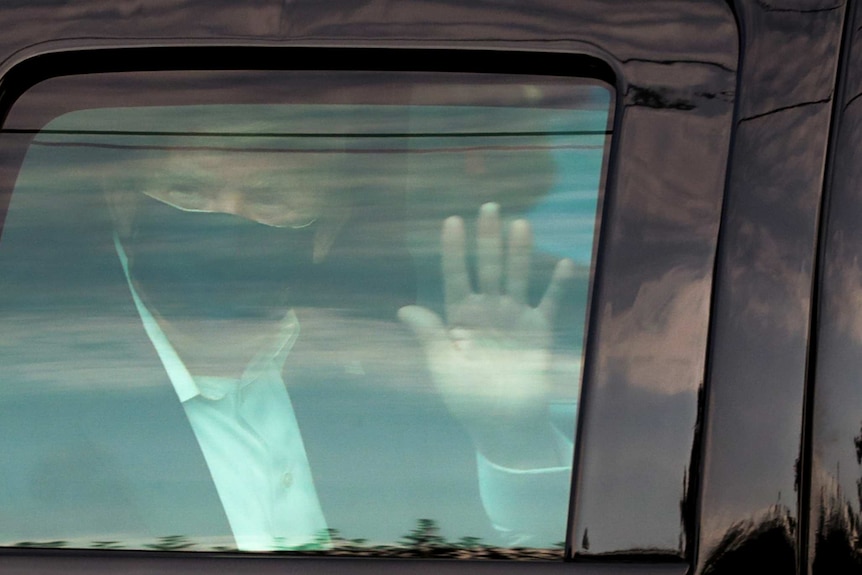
721 392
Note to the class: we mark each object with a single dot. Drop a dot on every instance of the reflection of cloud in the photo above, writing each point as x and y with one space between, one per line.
659 340
672 208
778 288
384 350
848 282
54 350
345 345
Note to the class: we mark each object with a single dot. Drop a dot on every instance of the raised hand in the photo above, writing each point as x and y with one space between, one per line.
490 357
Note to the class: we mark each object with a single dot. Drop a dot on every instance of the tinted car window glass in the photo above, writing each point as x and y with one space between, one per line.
341 316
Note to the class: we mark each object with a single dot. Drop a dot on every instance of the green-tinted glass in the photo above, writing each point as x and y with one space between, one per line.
353 326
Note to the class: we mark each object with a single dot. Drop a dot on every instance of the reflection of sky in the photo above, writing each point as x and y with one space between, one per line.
341 377
62 330
564 220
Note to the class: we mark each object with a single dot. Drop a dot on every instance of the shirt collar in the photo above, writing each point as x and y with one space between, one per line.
186 385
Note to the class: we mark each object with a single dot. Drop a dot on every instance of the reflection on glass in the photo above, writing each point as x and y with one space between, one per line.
368 320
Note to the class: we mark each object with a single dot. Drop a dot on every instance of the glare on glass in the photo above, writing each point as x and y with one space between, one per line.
308 327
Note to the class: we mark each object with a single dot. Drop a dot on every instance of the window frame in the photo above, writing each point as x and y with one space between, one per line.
31 71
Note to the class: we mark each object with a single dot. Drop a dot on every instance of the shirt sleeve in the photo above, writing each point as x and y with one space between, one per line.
529 507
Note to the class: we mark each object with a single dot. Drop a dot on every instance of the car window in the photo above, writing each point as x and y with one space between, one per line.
323 312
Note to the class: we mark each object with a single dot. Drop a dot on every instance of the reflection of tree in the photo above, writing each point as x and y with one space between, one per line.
171 543
837 546
42 544
425 537
107 545
838 540
766 545
424 540
469 542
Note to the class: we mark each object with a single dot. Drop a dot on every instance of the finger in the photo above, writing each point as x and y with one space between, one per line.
563 275
518 264
426 326
489 249
456 280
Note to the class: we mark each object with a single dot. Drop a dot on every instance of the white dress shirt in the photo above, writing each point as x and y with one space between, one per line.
248 433
250 439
